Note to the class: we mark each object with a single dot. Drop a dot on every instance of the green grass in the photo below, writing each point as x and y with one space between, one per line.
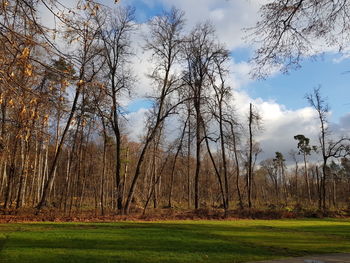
171 241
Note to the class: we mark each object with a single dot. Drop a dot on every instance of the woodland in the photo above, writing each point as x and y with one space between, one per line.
64 145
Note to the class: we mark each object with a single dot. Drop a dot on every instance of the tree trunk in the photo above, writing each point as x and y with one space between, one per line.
198 152
49 182
249 175
174 164
223 156
307 179
189 161
323 185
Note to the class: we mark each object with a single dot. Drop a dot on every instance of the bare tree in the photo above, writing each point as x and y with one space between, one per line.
115 28
201 52
220 108
269 166
85 33
253 124
163 42
289 30
233 140
329 148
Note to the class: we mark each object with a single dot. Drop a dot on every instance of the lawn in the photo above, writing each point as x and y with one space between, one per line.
171 241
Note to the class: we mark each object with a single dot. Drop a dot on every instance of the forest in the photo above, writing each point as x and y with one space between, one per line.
64 143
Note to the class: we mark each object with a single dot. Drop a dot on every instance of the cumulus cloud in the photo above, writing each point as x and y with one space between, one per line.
135 124
280 129
342 129
279 123
345 122
228 16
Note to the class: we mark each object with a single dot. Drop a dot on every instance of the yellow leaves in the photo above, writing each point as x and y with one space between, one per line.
11 103
24 134
80 82
65 83
83 123
28 70
25 53
33 101
23 111
26 137
1 99
33 114
46 119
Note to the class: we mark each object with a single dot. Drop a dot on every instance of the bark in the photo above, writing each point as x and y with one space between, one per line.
174 164
49 182
198 151
307 178
240 200
250 154
217 173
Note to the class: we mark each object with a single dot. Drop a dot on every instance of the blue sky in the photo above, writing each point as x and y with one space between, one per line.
288 90
280 98
327 71
145 10
140 103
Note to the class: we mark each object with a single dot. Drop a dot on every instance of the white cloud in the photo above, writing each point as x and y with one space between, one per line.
135 125
217 15
279 124
229 17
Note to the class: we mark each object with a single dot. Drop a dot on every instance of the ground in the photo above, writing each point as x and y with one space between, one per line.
172 241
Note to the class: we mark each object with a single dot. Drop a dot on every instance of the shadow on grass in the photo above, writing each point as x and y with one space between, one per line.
170 242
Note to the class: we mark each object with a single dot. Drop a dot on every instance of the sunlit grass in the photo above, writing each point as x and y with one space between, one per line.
171 241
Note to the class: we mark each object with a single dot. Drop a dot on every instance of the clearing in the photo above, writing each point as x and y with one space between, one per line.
172 241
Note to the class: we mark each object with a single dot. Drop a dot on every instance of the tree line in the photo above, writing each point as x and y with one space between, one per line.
63 139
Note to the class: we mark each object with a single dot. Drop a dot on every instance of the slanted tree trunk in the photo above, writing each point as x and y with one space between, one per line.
217 173
174 163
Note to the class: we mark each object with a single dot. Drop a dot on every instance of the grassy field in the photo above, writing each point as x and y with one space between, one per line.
171 241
